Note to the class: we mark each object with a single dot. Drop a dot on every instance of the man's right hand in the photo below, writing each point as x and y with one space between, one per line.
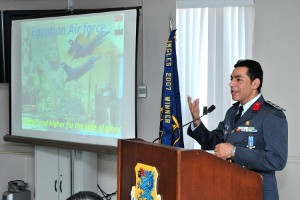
194 109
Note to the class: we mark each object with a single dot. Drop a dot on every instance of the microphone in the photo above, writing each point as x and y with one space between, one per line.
205 112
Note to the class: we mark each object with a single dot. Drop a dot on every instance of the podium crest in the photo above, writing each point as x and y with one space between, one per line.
146 183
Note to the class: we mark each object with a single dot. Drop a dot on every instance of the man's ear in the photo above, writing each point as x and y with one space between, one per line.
256 83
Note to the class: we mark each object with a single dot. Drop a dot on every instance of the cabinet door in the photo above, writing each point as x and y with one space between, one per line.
46 173
64 165
52 173
85 175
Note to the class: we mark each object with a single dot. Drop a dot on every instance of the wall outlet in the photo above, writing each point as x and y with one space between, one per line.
142 91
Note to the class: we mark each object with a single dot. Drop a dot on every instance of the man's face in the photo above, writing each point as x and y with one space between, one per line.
242 89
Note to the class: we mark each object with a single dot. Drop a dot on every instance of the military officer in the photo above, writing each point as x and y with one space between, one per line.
258 138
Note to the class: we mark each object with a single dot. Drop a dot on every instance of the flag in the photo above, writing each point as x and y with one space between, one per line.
170 130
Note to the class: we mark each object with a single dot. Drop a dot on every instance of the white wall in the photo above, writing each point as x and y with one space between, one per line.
277 47
16 160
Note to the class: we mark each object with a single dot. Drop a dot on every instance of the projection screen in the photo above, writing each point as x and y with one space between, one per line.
73 77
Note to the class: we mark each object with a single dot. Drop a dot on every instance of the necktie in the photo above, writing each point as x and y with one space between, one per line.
238 116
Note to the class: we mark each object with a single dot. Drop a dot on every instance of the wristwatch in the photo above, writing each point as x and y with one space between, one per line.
233 151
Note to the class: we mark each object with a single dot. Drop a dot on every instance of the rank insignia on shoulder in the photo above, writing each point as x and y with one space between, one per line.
275 106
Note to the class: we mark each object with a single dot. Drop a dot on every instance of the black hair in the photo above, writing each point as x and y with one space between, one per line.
254 70
85 195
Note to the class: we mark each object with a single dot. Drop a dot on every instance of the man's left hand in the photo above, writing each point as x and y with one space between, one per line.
223 150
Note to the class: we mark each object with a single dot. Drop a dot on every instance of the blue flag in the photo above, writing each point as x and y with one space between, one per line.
170 130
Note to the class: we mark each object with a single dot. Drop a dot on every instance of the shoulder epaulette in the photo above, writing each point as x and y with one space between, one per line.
275 106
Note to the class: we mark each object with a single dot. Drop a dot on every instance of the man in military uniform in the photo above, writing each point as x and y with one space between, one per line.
254 133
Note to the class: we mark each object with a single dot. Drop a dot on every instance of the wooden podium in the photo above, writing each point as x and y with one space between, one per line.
185 174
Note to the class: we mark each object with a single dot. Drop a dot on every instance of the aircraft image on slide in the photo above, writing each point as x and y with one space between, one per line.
78 50
76 73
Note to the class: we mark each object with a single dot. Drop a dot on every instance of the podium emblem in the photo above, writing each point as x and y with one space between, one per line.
145 183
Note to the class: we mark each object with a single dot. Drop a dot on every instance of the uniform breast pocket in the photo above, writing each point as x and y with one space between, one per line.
237 139
243 139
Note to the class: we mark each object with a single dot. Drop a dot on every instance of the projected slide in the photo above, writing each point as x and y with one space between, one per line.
73 76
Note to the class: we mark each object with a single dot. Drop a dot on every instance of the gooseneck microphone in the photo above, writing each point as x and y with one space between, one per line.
205 112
